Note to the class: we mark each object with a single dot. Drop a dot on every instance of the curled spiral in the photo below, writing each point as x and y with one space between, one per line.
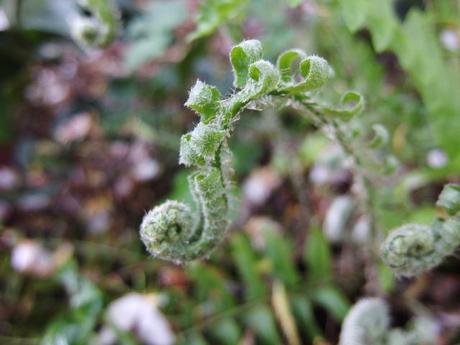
171 222
413 248
173 232
177 232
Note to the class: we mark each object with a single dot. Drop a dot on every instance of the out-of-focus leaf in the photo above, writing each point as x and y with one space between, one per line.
380 137
64 331
246 155
333 301
82 292
151 33
226 331
410 41
246 262
283 312
312 147
214 13
354 13
436 84
278 33
210 287
124 338
279 253
382 23
193 339
76 326
44 15
422 215
318 258
386 278
294 3
303 312
260 319
446 11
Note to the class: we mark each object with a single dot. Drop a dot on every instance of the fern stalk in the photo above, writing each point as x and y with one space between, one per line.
172 230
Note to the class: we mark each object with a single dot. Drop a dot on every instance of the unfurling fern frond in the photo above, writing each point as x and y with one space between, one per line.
176 232
413 248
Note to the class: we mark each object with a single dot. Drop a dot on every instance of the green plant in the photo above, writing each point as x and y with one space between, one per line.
410 40
414 248
152 32
278 300
172 231
368 322
213 14
76 325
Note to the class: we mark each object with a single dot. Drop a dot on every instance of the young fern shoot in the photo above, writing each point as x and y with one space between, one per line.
413 248
368 323
173 231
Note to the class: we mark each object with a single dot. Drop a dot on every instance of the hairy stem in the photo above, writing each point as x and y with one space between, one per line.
333 130
172 231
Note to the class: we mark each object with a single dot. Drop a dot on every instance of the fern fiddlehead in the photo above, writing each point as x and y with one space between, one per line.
413 248
368 323
172 231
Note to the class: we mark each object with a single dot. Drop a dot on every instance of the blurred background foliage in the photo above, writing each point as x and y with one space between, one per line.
89 142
